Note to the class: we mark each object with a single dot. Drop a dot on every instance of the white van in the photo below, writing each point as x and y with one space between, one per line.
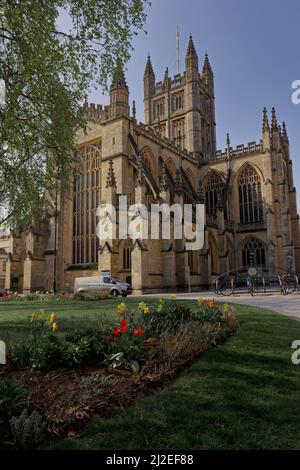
104 283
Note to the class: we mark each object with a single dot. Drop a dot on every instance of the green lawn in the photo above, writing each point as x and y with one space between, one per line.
15 315
241 395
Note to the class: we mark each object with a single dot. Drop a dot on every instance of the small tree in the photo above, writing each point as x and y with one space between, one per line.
47 67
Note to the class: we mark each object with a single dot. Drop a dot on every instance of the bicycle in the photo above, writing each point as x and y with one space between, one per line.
287 285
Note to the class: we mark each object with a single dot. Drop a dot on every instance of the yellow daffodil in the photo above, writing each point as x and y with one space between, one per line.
225 308
52 317
55 326
121 308
159 308
173 296
143 307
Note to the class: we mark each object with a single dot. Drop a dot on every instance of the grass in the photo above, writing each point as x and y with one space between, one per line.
15 315
241 395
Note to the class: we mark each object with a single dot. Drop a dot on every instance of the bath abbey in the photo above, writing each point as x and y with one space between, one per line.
249 195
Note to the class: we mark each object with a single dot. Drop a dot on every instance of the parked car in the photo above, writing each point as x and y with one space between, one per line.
102 283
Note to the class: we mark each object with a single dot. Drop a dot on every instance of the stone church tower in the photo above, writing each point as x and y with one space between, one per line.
183 107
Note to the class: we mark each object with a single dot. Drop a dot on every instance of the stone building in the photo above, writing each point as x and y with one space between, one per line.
248 191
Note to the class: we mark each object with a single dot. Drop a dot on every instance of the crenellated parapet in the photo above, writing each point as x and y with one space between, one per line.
240 150
177 81
96 112
149 132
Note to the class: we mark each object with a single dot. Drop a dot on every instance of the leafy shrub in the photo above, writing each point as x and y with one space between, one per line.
47 354
27 430
97 344
12 396
208 311
166 316
31 296
45 348
92 296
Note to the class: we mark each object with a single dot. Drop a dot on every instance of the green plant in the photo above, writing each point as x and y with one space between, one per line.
22 350
78 296
12 396
120 359
208 311
75 353
44 349
27 430
98 345
129 338
167 316
92 296
47 354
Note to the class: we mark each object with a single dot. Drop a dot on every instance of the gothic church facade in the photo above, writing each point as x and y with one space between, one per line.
248 191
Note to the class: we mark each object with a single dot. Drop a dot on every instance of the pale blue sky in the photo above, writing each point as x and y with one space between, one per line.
254 49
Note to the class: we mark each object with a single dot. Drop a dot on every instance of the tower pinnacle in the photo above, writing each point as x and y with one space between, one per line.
191 51
266 127
119 78
274 120
111 179
149 69
191 61
284 132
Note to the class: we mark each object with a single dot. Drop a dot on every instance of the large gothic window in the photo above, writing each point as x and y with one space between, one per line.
214 191
254 253
86 199
250 197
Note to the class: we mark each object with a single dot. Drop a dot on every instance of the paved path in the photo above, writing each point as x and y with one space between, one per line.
287 305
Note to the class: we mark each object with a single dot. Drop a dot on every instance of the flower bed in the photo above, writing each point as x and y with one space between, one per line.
49 296
65 378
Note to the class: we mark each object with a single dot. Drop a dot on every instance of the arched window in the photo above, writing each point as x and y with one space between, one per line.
250 197
254 253
213 191
86 199
127 258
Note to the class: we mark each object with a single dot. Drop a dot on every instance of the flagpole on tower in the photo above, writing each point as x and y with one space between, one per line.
177 50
